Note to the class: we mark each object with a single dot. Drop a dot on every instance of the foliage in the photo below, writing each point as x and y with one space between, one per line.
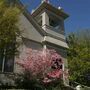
42 68
79 57
8 26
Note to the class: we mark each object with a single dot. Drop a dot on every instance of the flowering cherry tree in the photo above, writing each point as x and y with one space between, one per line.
45 65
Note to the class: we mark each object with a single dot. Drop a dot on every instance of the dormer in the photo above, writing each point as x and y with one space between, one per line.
50 17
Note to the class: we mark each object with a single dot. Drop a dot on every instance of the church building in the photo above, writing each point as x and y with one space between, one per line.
43 28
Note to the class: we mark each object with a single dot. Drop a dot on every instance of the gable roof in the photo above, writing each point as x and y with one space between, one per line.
30 18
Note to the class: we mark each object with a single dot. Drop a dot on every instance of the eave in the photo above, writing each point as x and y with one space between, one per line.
56 42
49 7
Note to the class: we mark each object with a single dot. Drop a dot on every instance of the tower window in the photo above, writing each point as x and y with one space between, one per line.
55 24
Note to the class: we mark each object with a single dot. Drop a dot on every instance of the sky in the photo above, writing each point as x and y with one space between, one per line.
78 10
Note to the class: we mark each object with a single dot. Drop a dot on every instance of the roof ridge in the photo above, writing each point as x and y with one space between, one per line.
30 18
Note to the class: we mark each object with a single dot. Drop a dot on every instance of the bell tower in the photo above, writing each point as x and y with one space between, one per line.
50 17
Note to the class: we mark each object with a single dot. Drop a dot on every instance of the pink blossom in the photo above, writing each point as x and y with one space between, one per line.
39 64
55 74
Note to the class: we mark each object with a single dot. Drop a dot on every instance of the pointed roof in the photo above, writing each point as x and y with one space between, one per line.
49 7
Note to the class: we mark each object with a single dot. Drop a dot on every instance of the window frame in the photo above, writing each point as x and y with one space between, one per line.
4 61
